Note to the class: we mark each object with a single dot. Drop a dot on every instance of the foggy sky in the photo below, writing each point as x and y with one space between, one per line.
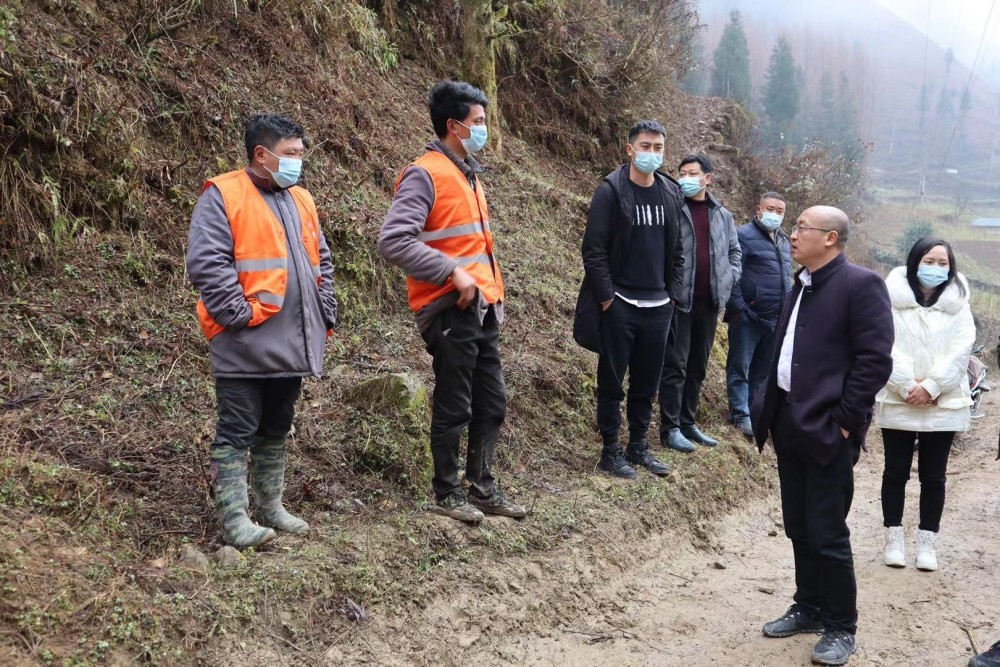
958 24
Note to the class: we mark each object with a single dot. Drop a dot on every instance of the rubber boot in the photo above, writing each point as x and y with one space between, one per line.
268 485
229 488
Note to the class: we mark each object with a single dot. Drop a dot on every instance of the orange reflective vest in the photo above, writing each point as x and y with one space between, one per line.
260 250
459 226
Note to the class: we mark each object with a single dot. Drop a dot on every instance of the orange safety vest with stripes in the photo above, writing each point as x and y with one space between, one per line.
459 226
260 251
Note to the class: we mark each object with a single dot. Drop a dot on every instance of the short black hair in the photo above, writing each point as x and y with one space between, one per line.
702 160
651 126
267 129
917 252
770 195
452 100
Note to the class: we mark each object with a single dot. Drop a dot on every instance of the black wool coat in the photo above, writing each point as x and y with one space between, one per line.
842 358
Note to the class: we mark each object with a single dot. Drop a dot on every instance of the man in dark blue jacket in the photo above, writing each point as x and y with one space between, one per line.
755 304
834 354
633 264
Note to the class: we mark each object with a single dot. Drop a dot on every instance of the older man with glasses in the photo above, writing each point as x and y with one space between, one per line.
833 356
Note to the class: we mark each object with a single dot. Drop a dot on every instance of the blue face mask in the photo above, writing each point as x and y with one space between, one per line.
931 276
647 163
475 143
690 185
289 171
771 221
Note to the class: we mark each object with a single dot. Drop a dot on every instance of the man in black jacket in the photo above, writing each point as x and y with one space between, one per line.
633 262
833 355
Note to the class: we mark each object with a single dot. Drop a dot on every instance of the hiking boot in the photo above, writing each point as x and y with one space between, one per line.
694 435
499 504
229 489
796 620
674 440
895 547
638 454
834 648
745 427
268 456
990 658
613 462
926 553
457 506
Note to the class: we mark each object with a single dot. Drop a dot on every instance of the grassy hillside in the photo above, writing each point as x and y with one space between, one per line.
112 116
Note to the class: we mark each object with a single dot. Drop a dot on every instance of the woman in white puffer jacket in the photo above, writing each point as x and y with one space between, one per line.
928 392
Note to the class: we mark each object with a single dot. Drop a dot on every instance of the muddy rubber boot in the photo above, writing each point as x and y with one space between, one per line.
268 485
229 489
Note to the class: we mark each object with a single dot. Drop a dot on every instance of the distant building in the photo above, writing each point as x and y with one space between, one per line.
989 225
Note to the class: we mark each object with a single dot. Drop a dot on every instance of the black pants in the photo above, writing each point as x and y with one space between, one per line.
688 346
469 391
932 465
815 501
634 340
248 407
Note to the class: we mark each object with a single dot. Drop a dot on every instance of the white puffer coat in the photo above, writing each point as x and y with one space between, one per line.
932 349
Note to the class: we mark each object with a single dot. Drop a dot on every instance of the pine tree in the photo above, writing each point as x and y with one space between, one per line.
731 60
782 91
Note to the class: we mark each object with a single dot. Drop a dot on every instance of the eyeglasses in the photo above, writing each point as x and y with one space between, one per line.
798 229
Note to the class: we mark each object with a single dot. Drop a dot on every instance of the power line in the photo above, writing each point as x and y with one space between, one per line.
968 86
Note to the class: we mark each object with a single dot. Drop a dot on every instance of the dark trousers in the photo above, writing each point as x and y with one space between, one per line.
684 365
634 340
469 391
815 501
932 465
751 344
249 407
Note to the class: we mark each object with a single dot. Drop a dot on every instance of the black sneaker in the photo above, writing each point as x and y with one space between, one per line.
499 504
795 620
834 648
614 464
638 455
990 658
457 506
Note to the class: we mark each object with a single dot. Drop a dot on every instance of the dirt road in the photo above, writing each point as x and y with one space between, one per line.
680 609
700 599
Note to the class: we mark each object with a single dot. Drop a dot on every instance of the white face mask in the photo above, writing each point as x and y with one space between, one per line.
770 220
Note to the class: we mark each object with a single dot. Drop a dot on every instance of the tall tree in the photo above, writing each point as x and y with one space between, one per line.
731 63
782 91
946 103
480 32
924 103
696 80
845 113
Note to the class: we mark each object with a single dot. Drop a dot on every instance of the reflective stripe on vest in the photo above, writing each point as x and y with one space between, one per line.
260 250
459 226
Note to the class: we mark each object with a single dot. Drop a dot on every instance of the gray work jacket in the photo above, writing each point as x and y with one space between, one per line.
725 252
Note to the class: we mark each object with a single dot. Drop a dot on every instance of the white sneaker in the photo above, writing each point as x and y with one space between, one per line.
895 547
926 555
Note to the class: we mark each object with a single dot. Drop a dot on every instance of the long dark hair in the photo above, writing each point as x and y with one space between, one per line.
917 252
